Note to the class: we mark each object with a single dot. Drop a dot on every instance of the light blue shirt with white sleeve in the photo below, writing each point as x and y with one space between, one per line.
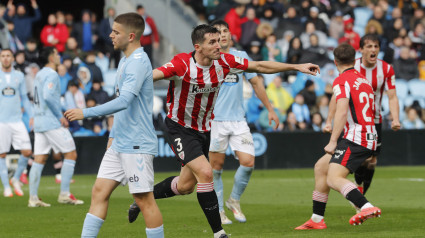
47 104
13 95
133 130
229 104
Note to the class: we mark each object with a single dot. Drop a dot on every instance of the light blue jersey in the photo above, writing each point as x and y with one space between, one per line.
229 104
13 95
133 130
47 105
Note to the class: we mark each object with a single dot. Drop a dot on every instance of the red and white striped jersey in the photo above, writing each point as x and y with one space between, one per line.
380 77
192 94
360 127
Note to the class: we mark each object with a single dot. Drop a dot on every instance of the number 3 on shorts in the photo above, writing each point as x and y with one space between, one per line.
179 144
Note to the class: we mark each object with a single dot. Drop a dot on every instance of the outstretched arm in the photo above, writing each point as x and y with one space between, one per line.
269 67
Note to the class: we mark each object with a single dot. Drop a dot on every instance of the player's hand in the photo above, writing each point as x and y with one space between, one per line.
327 128
309 68
395 125
10 4
330 148
34 4
74 114
109 142
64 122
31 122
273 117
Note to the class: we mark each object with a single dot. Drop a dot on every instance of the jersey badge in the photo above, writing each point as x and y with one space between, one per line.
50 85
181 155
337 90
169 64
239 59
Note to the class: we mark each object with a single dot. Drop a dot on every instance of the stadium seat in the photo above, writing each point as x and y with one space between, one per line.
401 88
362 15
109 81
408 101
416 87
331 43
385 108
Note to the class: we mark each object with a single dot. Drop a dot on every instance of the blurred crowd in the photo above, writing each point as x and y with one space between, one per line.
284 31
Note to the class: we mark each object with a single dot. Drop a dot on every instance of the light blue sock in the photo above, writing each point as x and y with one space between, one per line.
3 173
242 176
157 232
218 187
35 176
91 227
22 164
66 173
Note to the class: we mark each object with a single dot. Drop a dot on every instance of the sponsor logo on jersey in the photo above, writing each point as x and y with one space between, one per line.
195 89
8 92
338 153
133 179
231 79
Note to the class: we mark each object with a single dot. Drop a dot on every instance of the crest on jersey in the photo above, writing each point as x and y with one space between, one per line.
50 85
169 64
239 59
181 155
220 73
337 90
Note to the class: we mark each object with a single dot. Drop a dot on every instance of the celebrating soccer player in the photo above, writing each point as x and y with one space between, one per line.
12 129
50 131
132 144
195 81
354 113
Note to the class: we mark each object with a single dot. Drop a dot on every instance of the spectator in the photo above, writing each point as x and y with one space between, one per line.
379 15
280 98
323 106
412 120
94 124
394 29
97 93
54 34
393 50
270 51
291 123
278 7
418 34
320 6
14 43
270 17
300 109
74 97
105 28
421 69
4 43
20 62
309 94
22 21
350 36
31 72
336 26
234 19
309 30
405 67
71 68
150 35
418 17
73 51
254 108
249 28
318 23
64 78
84 79
317 123
343 7
263 30
290 22
254 51
69 21
304 8
31 52
95 72
315 54
295 51
284 44
85 32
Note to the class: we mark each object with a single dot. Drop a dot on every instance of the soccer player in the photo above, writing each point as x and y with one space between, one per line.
132 144
12 129
381 76
229 127
354 113
50 131
195 81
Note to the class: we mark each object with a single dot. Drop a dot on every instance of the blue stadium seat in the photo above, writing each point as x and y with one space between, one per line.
385 108
109 81
416 87
362 15
408 101
401 88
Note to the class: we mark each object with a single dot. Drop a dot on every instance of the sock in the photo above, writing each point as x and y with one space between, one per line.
29 165
218 187
352 194
35 176
3 173
207 199
319 205
242 176
91 226
219 233
359 174
367 205
157 232
167 188
66 174
367 179
57 164
22 164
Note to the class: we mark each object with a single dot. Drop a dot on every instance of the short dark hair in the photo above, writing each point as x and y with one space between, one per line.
133 21
45 53
73 83
371 37
32 40
7 49
198 33
140 6
219 22
345 54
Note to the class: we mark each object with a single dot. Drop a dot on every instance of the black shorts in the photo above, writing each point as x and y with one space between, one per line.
186 143
350 155
378 146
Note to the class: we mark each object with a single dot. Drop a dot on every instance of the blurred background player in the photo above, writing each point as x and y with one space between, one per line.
12 129
132 144
229 127
381 76
354 112
50 131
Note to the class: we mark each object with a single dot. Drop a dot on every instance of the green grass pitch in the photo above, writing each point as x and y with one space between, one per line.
274 203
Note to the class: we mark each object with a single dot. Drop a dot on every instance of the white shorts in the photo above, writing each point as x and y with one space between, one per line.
16 134
60 140
134 169
233 133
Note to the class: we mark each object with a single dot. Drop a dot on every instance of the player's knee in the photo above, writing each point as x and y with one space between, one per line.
320 168
371 165
249 162
330 181
186 189
26 153
205 175
98 194
71 155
